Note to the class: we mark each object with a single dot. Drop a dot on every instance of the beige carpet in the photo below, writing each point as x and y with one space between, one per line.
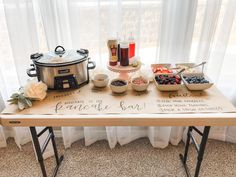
138 158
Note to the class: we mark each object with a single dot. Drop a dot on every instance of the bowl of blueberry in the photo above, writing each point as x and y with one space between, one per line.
168 82
196 81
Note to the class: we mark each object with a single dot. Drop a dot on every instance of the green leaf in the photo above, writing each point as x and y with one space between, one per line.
28 102
23 99
21 105
13 101
20 100
15 95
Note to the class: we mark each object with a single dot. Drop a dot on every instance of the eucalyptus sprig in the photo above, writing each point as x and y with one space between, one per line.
32 91
19 99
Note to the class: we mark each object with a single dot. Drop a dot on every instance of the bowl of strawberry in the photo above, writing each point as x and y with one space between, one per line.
167 82
161 69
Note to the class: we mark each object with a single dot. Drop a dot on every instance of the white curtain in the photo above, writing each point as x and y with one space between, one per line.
2 134
165 31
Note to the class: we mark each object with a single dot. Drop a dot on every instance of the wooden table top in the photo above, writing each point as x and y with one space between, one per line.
44 114
197 119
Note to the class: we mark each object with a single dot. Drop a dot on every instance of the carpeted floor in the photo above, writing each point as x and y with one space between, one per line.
138 158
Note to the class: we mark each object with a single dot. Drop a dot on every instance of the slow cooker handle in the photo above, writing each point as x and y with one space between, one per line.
93 65
59 51
30 70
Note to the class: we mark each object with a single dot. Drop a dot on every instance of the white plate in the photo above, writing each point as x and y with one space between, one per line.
203 86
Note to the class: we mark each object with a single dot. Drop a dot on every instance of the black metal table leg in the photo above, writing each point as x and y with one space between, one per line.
58 160
200 149
40 151
185 156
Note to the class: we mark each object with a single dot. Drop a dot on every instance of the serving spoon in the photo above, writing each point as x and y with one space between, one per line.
178 73
203 63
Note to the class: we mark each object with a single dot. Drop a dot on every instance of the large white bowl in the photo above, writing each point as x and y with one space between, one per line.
140 87
100 80
119 89
166 65
189 71
163 87
203 86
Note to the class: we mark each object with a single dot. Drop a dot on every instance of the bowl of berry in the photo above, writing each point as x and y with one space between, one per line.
196 81
168 82
118 85
140 83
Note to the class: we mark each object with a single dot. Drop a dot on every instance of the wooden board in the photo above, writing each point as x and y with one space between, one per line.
204 119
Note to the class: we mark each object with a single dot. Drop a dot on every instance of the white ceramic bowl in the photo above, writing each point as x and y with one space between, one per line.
100 80
163 87
202 86
188 71
119 89
166 65
139 87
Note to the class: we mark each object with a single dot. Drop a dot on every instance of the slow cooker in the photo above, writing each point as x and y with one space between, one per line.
62 69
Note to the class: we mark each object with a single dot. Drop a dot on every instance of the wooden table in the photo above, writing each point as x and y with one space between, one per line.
159 119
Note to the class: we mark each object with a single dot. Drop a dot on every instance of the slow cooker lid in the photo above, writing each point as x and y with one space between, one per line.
61 56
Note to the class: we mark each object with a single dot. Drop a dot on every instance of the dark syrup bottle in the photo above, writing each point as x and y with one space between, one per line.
124 54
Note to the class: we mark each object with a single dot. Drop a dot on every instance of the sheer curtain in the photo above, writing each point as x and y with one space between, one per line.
2 134
165 31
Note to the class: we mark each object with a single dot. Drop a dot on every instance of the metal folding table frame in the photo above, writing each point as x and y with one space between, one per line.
40 151
199 148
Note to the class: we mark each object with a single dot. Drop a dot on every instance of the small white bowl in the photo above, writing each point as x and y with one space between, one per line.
100 80
119 89
199 86
139 87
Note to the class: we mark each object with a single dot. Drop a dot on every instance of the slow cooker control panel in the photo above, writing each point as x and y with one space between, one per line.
65 82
